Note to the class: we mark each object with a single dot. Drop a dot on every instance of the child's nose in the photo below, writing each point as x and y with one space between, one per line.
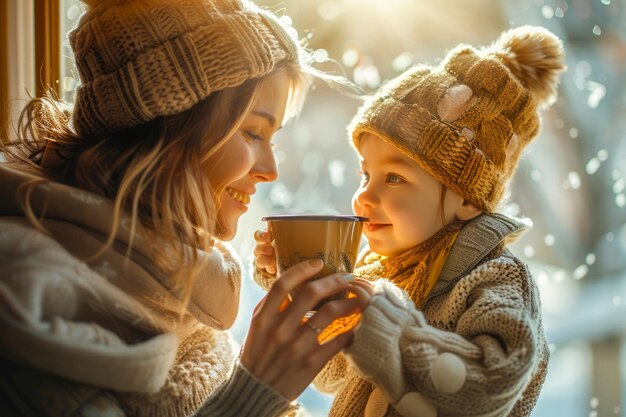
365 197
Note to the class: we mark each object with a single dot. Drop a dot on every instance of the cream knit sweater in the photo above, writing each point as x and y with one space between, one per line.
100 338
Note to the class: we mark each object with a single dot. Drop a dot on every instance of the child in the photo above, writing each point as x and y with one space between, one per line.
454 327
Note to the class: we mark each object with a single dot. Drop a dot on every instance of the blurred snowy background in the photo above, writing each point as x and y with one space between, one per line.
571 182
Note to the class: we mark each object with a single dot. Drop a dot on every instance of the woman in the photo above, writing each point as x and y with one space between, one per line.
116 285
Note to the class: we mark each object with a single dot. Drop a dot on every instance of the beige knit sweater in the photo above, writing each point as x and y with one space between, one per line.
102 338
476 348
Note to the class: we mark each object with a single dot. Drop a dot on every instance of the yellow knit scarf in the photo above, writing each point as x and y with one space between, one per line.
415 271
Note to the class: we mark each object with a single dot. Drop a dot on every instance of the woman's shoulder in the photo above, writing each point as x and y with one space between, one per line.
53 300
25 192
23 245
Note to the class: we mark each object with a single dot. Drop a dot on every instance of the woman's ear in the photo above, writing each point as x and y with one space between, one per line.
467 211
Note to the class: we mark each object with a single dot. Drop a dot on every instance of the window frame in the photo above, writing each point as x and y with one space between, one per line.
30 54
4 69
48 46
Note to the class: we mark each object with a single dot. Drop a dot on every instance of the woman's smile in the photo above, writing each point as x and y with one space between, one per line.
240 197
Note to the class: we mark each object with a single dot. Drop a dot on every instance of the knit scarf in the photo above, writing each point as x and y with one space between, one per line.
415 271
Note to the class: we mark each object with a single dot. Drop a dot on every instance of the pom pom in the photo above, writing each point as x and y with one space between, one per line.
535 57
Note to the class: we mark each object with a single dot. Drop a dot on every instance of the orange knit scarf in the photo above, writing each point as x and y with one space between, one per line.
415 271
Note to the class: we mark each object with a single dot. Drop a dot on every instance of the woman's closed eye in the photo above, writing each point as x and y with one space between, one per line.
252 135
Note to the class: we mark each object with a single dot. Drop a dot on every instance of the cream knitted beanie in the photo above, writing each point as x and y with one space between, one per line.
467 120
140 59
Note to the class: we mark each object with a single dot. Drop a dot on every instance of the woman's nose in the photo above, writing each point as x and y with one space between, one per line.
265 169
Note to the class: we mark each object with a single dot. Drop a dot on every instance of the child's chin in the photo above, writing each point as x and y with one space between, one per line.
386 251
380 249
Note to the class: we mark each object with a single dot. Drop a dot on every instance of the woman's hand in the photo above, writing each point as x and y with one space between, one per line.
265 257
281 348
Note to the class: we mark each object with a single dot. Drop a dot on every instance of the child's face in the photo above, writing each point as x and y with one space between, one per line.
402 200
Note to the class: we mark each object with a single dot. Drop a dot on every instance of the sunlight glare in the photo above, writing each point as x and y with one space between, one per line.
592 166
350 57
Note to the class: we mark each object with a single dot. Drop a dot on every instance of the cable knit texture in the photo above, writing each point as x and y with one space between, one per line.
104 338
202 363
242 395
476 347
146 58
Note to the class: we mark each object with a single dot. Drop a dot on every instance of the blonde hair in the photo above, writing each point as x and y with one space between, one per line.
155 171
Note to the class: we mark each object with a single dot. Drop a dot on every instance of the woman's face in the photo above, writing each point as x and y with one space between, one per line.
247 158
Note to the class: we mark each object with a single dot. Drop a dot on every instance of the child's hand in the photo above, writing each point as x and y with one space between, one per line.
265 257
364 291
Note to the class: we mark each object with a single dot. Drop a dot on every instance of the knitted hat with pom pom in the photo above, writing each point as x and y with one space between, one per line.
467 120
140 59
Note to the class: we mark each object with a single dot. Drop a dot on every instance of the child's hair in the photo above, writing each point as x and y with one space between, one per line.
467 120
152 108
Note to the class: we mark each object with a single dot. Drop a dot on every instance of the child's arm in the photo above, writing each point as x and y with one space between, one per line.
264 267
481 368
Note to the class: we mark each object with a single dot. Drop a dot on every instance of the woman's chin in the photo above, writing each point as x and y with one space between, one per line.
226 232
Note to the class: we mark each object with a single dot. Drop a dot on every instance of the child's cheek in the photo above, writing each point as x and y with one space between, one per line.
403 213
413 219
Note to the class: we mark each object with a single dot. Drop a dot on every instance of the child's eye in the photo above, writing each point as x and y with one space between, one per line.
394 179
365 177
